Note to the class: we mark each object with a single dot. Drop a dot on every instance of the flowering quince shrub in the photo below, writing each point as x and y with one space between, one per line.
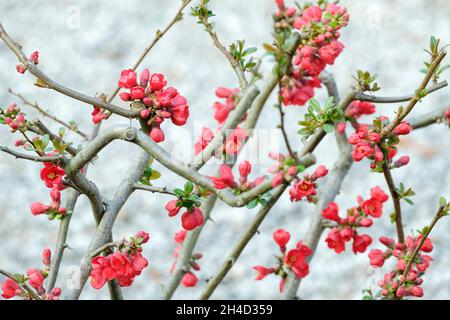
306 40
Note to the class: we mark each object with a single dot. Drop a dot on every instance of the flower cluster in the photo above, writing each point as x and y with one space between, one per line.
52 175
359 108
226 178
320 47
123 265
286 169
189 199
396 283
306 186
34 57
189 278
346 229
19 285
367 143
13 117
157 102
236 139
293 260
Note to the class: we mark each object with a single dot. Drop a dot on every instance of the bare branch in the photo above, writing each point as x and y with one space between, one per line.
432 117
103 232
396 202
19 155
45 113
370 98
138 186
403 112
241 244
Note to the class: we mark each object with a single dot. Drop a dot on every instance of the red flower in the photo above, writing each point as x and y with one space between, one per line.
320 172
52 176
360 243
281 237
226 178
303 188
403 128
192 220
377 257
35 279
128 79
358 108
335 241
46 257
245 168
331 212
262 272
142 235
362 150
296 260
157 134
10 289
157 82
172 208
180 236
34 57
373 207
180 114
378 194
38 208
427 245
101 272
189 280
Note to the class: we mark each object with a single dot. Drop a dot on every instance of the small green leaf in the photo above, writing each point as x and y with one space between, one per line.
442 201
328 128
188 187
253 204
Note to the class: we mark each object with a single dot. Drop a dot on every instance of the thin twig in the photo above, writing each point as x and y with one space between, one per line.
138 186
437 216
375 99
47 114
432 117
281 126
241 244
396 202
403 112
25 156
234 64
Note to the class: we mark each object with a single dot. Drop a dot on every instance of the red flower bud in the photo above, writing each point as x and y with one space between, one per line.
281 237
38 208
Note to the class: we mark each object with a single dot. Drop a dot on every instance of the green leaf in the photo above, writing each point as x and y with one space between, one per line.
314 104
442 201
179 192
249 51
253 204
188 187
328 128
155 175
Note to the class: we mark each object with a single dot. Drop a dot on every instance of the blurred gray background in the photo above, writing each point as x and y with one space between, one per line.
85 44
